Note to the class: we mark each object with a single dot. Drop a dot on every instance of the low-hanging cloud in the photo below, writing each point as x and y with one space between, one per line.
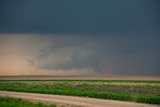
81 54
105 55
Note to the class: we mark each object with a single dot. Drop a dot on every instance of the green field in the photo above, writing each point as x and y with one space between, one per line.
125 90
15 102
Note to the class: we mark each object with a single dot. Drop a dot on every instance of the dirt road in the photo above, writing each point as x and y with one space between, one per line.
73 101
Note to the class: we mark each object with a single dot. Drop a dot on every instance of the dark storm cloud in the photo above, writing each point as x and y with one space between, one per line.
106 36
80 16
104 55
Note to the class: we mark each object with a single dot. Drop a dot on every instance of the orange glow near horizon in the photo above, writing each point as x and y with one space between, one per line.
17 65
13 65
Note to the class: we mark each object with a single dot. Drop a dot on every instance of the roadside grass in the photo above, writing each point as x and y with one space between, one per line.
95 89
16 102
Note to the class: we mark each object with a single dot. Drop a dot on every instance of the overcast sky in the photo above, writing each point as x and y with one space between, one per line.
55 37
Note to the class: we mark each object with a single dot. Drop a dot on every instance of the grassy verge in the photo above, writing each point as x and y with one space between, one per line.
96 89
15 102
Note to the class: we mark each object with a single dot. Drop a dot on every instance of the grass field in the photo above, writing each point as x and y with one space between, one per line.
125 90
15 102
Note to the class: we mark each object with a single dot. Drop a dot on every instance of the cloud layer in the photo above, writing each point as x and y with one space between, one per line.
80 17
73 54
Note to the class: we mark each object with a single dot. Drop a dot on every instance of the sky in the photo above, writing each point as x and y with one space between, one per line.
79 37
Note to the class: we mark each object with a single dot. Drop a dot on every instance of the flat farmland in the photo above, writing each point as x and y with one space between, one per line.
142 91
80 77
